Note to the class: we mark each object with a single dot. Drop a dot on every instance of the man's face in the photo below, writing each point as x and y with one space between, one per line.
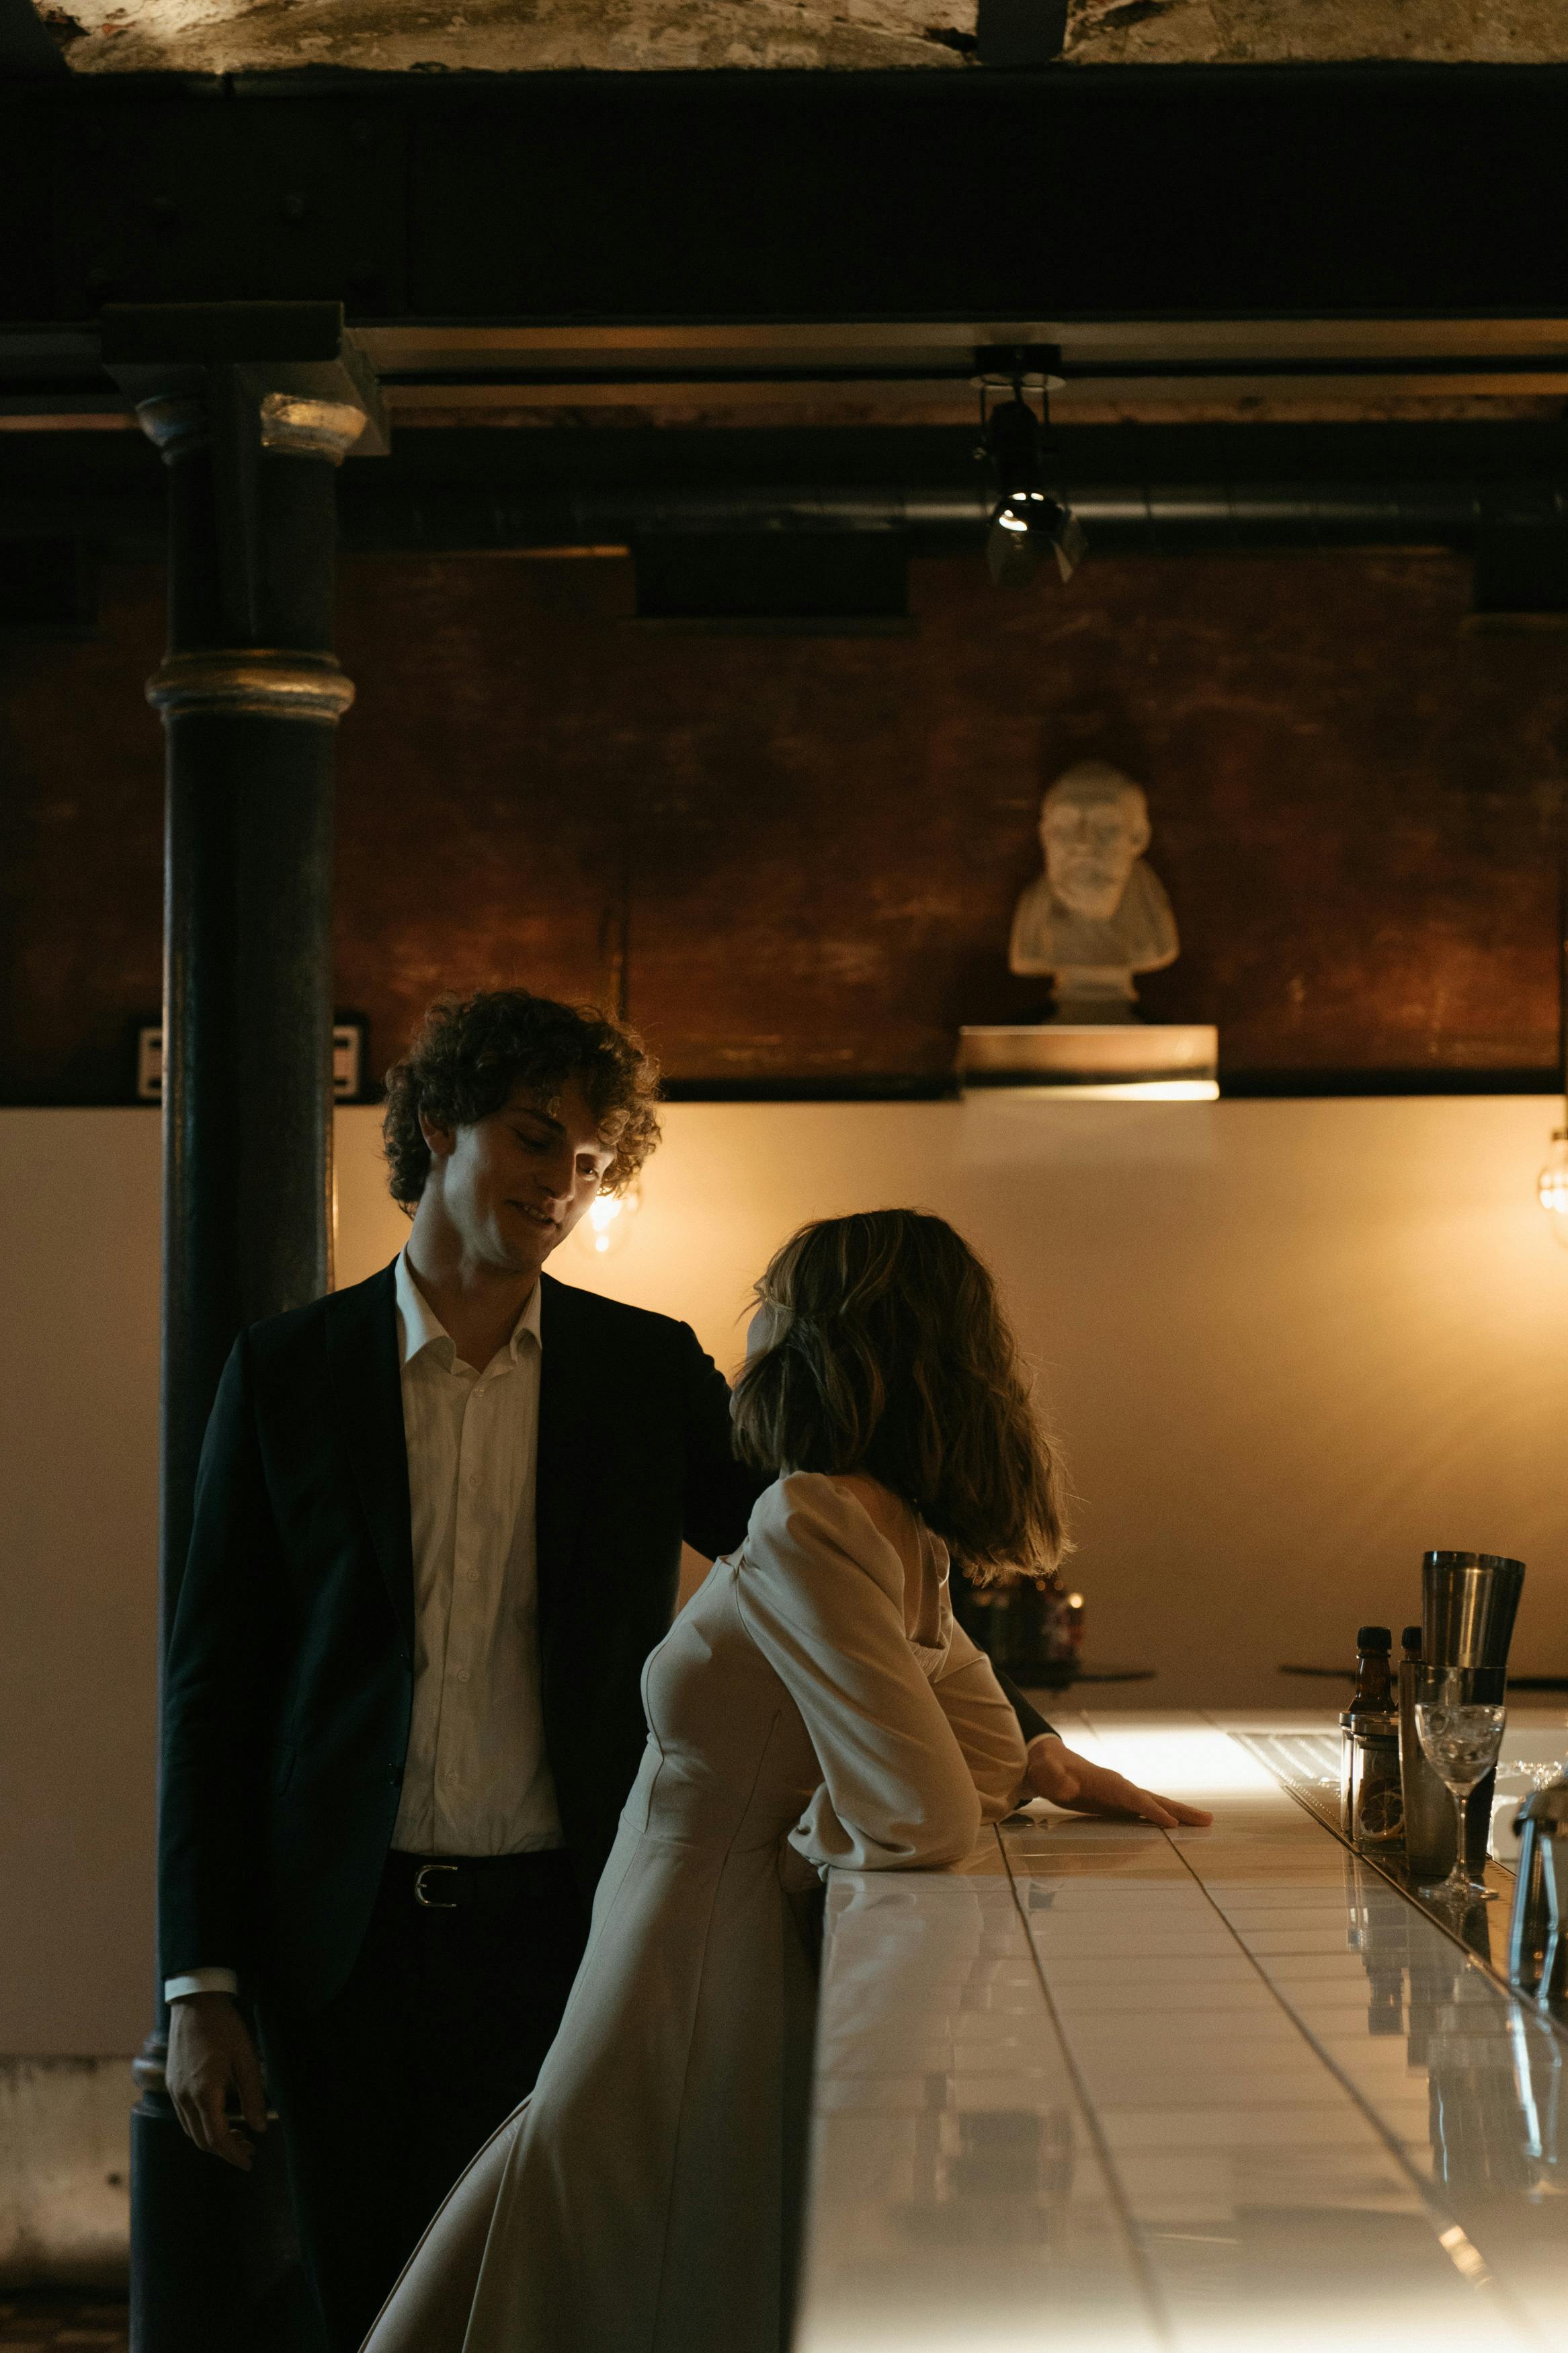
1092 848
515 1184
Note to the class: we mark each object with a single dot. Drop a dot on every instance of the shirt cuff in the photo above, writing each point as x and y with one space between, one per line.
200 1981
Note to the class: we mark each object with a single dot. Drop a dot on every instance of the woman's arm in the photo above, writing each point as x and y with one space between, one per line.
985 1726
820 1592
1060 1774
986 1719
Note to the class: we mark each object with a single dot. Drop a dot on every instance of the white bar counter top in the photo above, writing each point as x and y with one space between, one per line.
1115 2088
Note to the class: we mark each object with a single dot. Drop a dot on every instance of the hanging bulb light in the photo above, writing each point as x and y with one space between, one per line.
1552 1185
607 1227
1028 523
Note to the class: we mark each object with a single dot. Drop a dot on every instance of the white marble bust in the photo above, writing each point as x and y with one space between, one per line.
1098 914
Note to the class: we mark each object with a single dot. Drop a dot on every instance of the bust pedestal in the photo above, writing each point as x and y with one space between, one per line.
1175 1059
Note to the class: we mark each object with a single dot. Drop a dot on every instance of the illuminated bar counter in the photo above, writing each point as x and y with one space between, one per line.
1107 2089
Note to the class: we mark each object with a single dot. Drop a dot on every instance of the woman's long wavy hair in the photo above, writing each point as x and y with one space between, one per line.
886 1352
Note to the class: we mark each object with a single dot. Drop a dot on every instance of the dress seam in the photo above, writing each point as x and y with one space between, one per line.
702 1970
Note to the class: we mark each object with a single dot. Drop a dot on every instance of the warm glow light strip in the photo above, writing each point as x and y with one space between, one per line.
1112 1091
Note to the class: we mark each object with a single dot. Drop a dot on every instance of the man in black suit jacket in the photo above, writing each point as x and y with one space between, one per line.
438 1531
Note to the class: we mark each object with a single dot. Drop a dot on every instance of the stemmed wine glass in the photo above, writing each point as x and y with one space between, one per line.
1460 1734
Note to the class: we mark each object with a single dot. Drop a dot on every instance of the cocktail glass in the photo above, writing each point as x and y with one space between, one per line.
1460 1735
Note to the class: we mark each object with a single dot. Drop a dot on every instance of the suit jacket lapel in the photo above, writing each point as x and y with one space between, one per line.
566 1404
367 1395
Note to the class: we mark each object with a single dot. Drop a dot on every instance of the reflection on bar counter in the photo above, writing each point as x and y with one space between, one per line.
1108 2089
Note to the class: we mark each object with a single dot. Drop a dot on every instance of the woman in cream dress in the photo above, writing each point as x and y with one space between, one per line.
814 1706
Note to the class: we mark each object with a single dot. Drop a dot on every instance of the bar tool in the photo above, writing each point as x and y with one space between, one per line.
1469 1601
1538 1929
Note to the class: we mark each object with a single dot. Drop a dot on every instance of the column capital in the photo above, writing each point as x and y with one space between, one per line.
235 396
303 424
304 384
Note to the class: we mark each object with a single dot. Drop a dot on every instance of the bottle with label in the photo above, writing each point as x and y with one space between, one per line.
1372 1808
1374 1675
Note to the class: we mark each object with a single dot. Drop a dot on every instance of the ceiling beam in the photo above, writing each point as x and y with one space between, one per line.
1158 223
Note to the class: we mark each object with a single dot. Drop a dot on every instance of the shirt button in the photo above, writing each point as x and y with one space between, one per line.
473 1478
462 1674
451 1772
470 1577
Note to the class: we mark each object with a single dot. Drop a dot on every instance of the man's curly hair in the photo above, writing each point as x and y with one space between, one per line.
472 1052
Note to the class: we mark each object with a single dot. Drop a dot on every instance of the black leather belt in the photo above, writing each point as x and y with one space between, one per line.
462 1883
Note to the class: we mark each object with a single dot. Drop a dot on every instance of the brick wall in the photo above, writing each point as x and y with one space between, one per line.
819 840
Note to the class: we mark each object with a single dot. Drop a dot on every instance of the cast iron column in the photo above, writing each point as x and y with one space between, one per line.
253 406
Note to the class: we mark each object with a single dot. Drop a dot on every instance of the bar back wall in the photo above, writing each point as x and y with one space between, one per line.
1287 1346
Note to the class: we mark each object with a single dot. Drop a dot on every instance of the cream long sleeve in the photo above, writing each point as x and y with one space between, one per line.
916 1743
983 1724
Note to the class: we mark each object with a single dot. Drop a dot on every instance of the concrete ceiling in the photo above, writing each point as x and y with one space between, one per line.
519 36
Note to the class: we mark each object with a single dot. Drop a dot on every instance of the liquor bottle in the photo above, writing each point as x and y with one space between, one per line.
1410 1644
1374 1687
1370 1798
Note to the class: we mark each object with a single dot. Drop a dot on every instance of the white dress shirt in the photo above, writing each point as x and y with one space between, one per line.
476 1781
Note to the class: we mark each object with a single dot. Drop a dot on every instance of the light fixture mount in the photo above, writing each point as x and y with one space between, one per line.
1028 521
1018 367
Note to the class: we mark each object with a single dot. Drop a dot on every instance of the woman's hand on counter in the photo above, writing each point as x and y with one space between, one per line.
1057 1772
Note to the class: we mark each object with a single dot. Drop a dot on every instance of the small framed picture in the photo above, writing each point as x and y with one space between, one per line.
351 1032
150 1065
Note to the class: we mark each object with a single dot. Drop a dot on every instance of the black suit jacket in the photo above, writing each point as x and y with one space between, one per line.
289 1677
291 1668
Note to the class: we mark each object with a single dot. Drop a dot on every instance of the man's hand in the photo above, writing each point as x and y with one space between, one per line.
213 2072
1067 1779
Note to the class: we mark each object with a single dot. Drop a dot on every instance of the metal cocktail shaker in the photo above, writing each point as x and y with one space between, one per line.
1469 1601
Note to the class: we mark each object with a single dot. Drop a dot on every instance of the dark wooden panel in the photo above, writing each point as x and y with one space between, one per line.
1163 190
184 197
1352 800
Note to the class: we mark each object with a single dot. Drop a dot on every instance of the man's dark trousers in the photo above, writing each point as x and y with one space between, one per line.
385 2095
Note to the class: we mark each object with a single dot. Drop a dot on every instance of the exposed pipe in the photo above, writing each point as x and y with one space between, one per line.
381 515
385 511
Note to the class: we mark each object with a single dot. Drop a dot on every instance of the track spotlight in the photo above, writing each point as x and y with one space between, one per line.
1027 522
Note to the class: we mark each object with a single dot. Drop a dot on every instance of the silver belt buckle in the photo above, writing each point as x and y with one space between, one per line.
432 1902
